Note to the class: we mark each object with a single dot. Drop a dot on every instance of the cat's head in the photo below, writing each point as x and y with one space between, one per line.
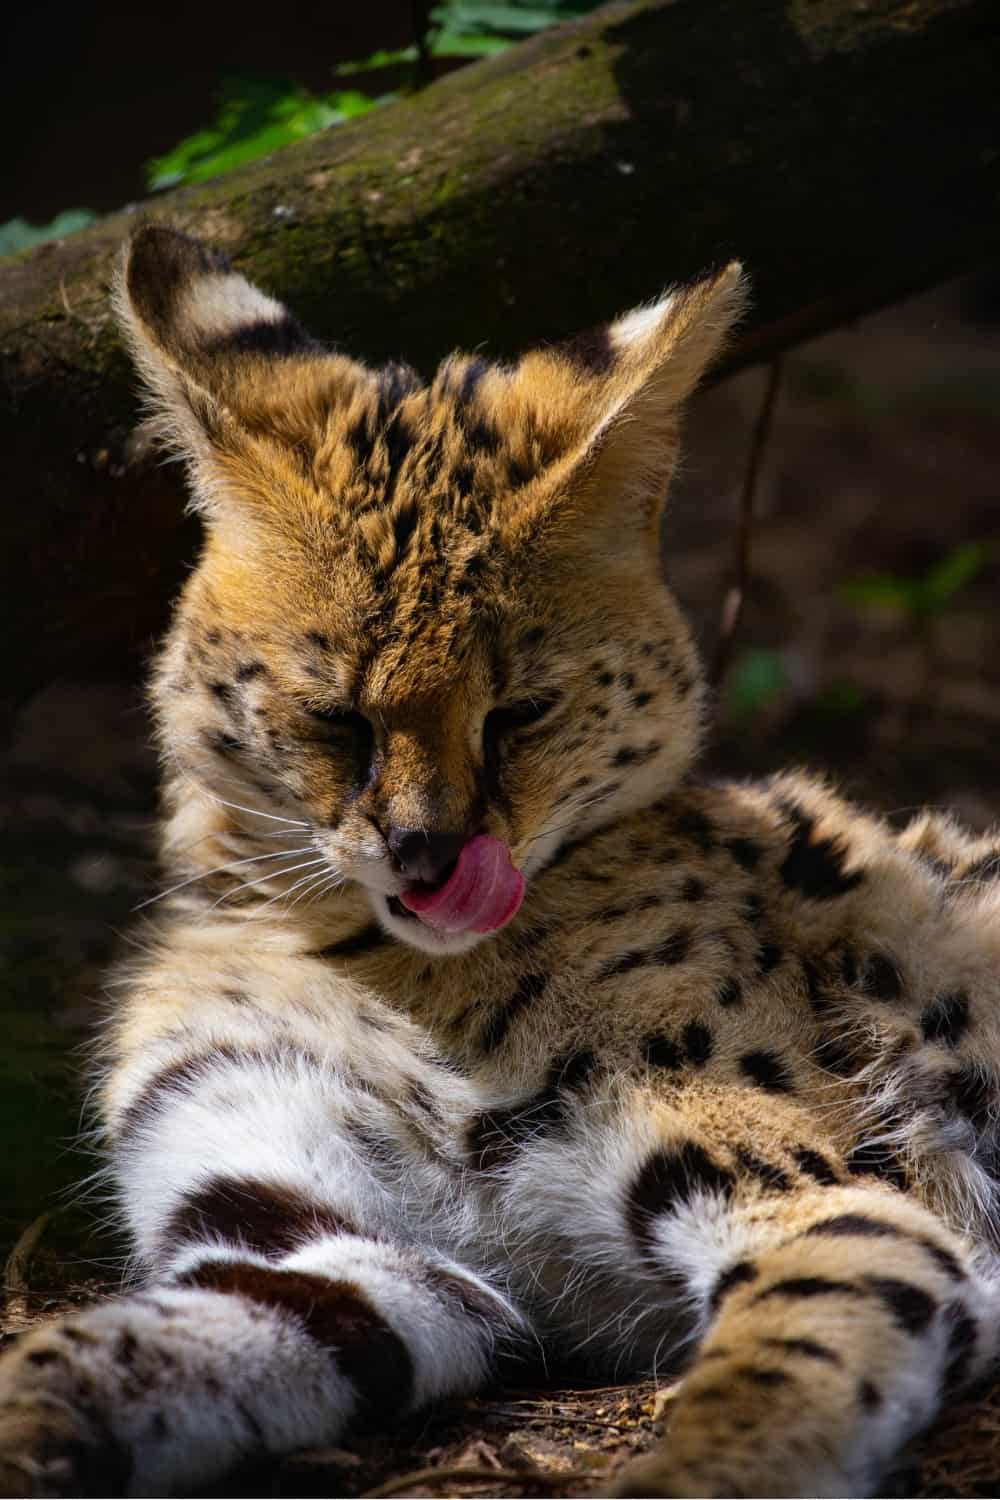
424 613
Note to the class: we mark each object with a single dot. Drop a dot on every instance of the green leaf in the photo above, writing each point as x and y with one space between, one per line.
18 234
467 44
377 60
257 115
948 577
882 591
486 14
481 20
925 595
757 679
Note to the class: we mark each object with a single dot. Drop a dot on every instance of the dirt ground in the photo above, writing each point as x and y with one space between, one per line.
870 647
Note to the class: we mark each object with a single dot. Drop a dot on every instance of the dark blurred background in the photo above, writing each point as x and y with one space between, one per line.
870 644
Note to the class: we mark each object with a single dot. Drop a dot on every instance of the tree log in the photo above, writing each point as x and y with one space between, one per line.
847 150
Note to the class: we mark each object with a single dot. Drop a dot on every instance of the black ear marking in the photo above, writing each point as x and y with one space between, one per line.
160 263
183 299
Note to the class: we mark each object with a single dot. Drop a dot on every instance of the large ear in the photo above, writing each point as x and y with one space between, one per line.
207 342
641 369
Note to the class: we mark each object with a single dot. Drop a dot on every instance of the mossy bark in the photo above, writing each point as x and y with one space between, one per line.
847 153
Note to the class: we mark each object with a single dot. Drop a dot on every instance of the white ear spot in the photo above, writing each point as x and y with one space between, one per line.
636 326
214 306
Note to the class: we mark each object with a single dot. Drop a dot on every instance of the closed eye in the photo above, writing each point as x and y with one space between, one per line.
347 719
514 716
343 726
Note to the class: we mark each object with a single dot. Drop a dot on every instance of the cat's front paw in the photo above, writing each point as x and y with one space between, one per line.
46 1448
53 1440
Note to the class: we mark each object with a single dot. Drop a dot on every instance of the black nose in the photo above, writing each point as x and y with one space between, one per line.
425 856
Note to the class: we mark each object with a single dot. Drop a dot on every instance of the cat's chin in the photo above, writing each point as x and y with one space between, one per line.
408 928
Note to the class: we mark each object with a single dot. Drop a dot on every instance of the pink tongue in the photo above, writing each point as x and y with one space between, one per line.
482 892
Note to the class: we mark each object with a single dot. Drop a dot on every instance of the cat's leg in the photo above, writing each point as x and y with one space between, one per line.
282 1307
825 1322
837 1335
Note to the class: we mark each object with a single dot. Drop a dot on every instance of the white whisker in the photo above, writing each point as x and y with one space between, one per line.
249 885
219 869
255 812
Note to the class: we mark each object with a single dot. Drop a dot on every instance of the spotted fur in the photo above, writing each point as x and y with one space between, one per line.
722 1098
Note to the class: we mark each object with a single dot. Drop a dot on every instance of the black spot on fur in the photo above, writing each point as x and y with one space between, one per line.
635 958
462 476
869 1395
815 867
336 1314
877 1159
768 956
806 1287
819 1000
698 1043
317 638
767 1070
361 438
880 977
673 949
250 669
947 1020
633 755
263 1216
833 1053
495 1137
639 700
814 1164
740 1274
668 1180
774 1178
746 852
42 1357
970 1092
280 339
357 945
865 1227
593 350
693 889
404 524
222 744
808 1348
762 1376
911 1307
175 1080
848 967
962 1338
696 827
730 992
662 1052
753 909
530 988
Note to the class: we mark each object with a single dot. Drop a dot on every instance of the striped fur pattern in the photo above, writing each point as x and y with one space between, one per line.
723 1097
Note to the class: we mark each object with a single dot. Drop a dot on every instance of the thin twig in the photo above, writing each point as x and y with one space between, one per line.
551 1417
462 1474
15 1271
15 1275
732 608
